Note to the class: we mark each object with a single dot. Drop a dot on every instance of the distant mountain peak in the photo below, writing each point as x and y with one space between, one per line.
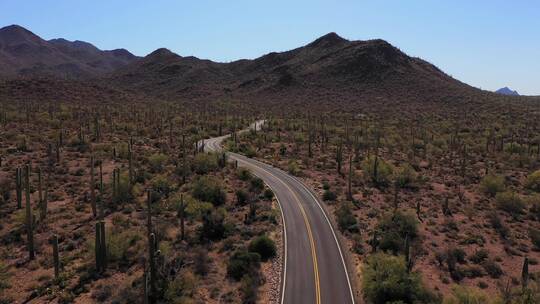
24 53
328 40
161 52
507 91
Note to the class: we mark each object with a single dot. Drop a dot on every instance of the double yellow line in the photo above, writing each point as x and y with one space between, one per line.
310 236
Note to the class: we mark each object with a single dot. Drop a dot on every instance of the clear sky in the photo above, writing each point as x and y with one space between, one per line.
488 44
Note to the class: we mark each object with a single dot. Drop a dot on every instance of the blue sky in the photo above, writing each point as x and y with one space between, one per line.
488 44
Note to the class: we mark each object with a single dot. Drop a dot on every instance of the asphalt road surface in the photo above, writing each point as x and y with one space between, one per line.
314 268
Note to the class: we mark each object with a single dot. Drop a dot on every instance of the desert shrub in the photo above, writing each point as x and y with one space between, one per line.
533 181
157 162
4 276
213 227
182 288
102 293
394 228
492 269
195 209
458 254
329 195
5 190
466 295
243 263
293 167
386 280
268 194
378 170
124 192
241 197
122 246
405 176
264 246
161 186
479 256
534 234
492 184
346 219
243 174
204 163
201 261
510 202
210 190
498 225
256 185
533 202
248 289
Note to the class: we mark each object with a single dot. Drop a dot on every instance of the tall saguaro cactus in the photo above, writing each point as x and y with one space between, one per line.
29 219
100 247
151 246
18 186
92 187
56 257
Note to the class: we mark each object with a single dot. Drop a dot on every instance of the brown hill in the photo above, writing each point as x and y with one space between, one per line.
24 53
329 66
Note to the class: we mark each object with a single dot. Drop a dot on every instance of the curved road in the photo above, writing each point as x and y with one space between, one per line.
314 268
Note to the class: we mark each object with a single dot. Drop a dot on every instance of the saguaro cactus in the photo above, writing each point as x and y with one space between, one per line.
29 219
92 187
182 215
56 258
151 246
525 273
100 247
349 181
18 186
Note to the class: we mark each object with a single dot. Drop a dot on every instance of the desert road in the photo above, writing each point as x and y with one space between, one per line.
314 267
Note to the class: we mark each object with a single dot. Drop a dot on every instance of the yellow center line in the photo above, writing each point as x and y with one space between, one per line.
310 234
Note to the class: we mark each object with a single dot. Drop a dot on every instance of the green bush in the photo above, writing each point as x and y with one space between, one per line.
241 197
243 174
377 170
533 202
213 227
405 176
264 246
510 202
492 184
329 195
534 234
346 219
394 228
268 194
533 181
256 185
294 168
181 289
205 162
386 280
248 288
210 190
243 263
124 192
157 162
466 295
161 186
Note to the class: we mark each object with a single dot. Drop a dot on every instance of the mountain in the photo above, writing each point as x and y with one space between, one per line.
507 91
22 53
330 66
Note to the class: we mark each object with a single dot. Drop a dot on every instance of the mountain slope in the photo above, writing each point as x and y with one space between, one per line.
22 53
329 65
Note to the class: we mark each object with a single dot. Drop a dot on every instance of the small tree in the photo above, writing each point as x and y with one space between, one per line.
264 246
492 184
